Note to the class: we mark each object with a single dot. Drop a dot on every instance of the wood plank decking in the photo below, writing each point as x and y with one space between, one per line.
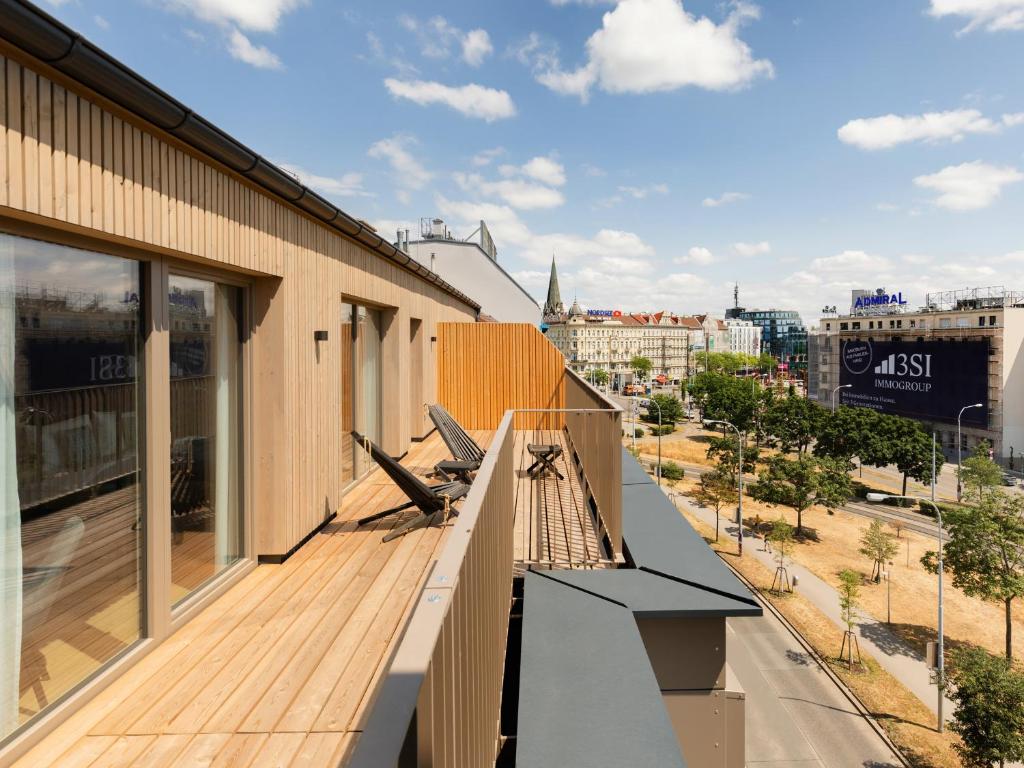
554 526
279 670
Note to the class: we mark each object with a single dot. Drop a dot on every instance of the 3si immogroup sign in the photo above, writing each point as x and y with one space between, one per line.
926 380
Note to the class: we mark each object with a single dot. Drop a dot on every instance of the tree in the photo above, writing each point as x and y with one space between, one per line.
724 451
716 489
847 433
849 607
671 409
766 362
801 483
720 396
781 537
599 376
794 421
989 715
641 366
985 551
879 545
979 473
909 448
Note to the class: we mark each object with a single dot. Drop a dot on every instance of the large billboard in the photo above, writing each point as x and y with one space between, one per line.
925 380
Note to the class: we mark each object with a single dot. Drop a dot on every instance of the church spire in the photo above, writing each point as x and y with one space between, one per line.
553 307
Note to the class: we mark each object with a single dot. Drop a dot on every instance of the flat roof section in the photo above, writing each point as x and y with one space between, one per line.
587 693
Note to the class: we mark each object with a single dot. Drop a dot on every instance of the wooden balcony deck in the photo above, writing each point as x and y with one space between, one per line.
554 527
280 670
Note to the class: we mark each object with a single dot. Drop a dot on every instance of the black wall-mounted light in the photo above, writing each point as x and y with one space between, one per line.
433 338
319 335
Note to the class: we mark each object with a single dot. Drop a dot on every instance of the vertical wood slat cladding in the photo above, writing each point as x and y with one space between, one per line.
485 369
67 158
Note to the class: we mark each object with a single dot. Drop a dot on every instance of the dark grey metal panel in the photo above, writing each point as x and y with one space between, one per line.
632 472
650 596
587 694
660 540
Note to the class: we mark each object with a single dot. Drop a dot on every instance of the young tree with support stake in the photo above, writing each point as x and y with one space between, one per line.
989 716
849 605
978 473
781 537
880 546
985 551
641 367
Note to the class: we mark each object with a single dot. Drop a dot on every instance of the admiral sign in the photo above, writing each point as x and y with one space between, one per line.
924 380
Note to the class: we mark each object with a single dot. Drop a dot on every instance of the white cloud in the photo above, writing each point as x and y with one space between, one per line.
697 255
101 22
437 37
887 131
640 193
470 100
546 170
241 48
517 192
409 174
655 45
594 171
476 46
346 185
993 15
252 15
724 199
752 249
969 186
856 265
487 156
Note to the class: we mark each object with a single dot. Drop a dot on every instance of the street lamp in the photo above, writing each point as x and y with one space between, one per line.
959 446
841 386
651 402
739 475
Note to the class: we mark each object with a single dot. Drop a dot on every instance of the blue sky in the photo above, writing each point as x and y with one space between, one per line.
661 150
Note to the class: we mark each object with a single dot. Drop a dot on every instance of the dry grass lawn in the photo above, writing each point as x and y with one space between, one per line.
914 590
906 719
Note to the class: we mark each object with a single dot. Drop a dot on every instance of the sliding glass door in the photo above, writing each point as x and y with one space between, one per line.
360 386
71 531
205 398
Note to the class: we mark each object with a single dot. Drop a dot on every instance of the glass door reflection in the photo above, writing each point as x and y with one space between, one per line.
206 419
360 386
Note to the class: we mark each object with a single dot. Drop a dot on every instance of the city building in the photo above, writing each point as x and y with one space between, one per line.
783 334
471 265
744 337
198 356
610 339
959 348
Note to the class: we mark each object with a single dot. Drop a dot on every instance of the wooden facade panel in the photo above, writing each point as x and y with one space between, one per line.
487 368
66 157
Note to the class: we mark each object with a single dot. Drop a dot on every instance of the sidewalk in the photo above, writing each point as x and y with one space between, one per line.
900 660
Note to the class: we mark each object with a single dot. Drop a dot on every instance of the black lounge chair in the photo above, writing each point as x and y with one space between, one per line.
468 455
433 501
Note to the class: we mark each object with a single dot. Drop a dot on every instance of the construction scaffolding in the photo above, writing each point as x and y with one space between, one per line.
989 297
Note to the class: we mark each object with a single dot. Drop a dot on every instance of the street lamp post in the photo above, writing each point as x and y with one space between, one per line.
841 386
739 476
940 661
959 447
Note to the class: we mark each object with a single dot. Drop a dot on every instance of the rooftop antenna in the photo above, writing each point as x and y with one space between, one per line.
736 296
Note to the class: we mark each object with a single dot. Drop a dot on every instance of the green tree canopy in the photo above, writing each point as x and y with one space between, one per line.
802 482
641 366
847 433
979 473
989 715
599 376
985 551
720 396
671 409
909 447
724 451
849 597
794 421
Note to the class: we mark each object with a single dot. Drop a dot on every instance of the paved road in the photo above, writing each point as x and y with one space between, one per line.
795 714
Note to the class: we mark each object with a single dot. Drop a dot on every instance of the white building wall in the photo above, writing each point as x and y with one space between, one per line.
1013 384
473 272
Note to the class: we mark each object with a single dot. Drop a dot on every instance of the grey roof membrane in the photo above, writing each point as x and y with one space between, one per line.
660 541
587 693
